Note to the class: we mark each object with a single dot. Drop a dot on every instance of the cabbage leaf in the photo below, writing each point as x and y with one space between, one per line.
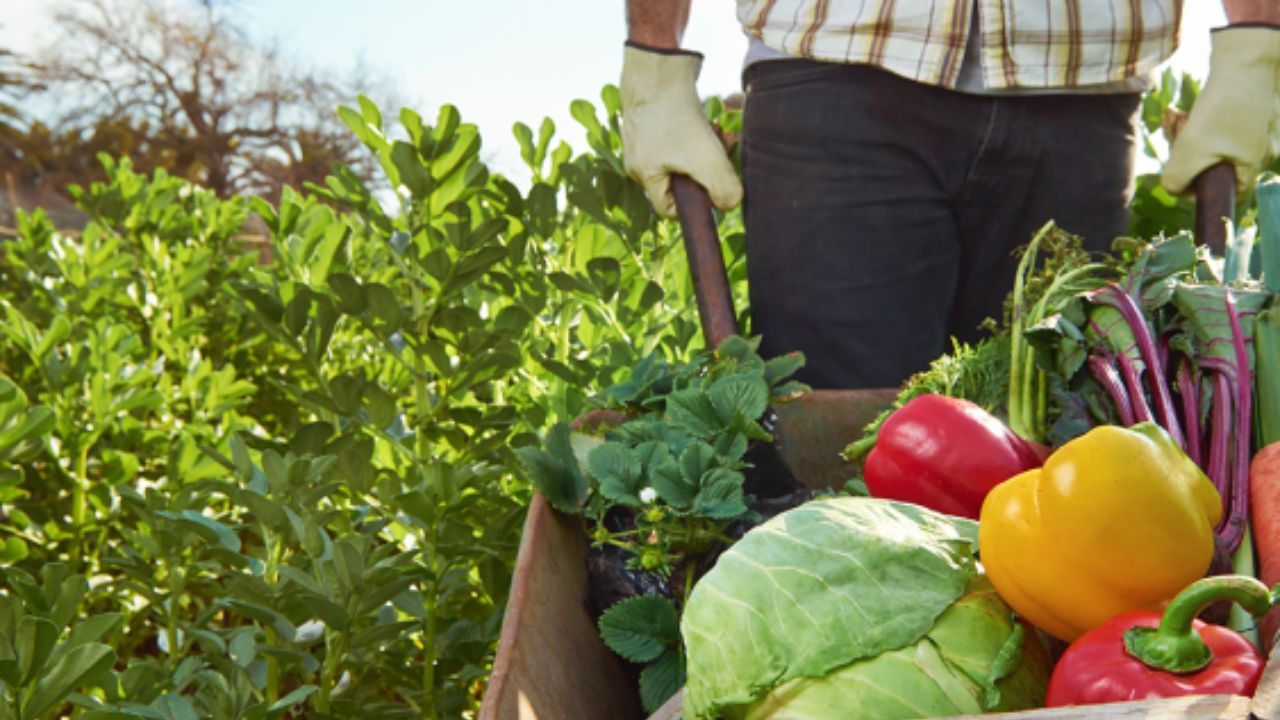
822 586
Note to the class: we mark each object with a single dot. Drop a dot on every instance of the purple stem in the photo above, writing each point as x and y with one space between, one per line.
1132 314
1239 512
1189 392
1219 429
1162 350
1109 378
1132 378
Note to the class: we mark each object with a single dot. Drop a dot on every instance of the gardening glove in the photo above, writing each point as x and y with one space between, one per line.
1237 116
664 130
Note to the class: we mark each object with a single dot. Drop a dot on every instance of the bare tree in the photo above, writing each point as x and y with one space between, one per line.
12 83
237 115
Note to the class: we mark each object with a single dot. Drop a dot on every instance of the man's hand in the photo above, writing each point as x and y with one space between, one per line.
664 130
1237 116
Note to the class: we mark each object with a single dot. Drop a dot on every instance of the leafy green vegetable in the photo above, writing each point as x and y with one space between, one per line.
677 461
855 607
673 471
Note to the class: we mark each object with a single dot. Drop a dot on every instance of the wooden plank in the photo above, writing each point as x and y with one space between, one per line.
670 709
1195 707
1192 707
1266 699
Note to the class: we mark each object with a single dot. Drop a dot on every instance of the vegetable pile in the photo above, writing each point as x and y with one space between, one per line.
1158 337
1102 439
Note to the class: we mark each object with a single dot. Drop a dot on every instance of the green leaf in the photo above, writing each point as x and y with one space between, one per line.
34 644
92 629
266 615
664 475
384 305
351 296
640 628
660 680
617 471
357 124
784 366
13 550
696 461
296 312
298 695
331 613
745 395
243 647
555 472
22 434
606 276
691 410
380 406
206 527
349 563
69 673
524 138
175 707
720 495
413 174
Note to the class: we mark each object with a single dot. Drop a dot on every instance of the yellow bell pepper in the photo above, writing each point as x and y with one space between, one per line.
1118 519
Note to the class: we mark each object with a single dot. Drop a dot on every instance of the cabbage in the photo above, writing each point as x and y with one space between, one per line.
856 607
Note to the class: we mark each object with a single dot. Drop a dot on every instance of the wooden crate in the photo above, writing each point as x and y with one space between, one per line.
552 665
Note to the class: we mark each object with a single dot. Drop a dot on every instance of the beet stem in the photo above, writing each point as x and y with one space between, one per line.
1128 308
1109 378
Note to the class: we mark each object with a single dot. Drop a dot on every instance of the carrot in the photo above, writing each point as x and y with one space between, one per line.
1264 497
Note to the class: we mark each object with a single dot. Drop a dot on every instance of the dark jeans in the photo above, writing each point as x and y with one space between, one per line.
882 215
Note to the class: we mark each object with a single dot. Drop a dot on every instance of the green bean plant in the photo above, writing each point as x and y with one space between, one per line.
278 477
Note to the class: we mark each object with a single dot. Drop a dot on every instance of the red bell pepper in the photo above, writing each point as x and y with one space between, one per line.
945 453
1141 654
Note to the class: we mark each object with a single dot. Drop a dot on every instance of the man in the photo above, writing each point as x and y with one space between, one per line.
896 152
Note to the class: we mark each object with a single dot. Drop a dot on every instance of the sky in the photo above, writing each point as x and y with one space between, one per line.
500 61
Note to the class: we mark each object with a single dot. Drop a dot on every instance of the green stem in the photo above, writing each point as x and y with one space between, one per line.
429 649
80 500
271 577
1175 646
177 583
335 648
1017 412
425 413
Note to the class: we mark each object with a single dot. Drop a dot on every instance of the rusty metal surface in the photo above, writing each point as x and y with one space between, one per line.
819 424
551 663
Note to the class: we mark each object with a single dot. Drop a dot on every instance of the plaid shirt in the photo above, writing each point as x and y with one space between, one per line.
1025 43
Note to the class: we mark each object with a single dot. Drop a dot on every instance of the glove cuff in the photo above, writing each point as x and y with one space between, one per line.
662 51
1249 42
649 76
1250 24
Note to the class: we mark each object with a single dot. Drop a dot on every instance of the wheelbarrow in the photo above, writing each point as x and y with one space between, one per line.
551 663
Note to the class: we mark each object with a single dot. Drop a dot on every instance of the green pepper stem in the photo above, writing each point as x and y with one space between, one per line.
1175 646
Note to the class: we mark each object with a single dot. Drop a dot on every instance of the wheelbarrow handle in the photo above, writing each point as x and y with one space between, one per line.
706 261
1215 191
